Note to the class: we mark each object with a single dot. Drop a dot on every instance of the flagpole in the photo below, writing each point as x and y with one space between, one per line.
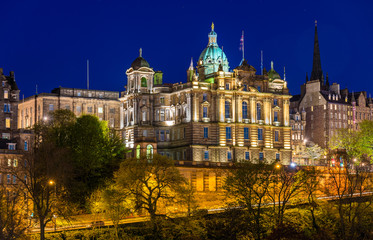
243 46
261 62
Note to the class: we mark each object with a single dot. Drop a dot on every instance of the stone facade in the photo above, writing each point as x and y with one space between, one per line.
215 116
103 104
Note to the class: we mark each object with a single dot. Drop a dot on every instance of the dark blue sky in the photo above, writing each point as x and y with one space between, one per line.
48 42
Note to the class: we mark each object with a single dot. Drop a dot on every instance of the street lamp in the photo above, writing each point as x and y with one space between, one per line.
51 183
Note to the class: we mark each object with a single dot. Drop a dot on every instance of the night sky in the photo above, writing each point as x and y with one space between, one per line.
48 42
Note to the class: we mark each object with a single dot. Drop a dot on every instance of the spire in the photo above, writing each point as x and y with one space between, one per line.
306 76
271 65
191 64
140 51
327 80
284 74
353 97
213 36
316 67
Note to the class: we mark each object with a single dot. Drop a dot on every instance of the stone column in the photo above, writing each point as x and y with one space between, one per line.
253 109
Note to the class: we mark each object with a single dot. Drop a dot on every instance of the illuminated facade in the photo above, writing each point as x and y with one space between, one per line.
217 115
327 107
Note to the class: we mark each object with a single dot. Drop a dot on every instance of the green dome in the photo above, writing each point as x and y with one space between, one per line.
213 56
272 74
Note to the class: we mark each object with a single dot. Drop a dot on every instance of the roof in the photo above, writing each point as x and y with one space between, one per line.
139 62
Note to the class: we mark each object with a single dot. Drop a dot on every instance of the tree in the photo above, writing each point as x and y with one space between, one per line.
42 175
248 184
314 153
150 182
12 205
114 201
96 154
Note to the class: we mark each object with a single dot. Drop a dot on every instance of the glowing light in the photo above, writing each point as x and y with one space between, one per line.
293 164
51 182
277 165
170 123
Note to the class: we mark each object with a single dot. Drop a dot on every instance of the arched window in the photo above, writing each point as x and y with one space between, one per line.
244 110
144 82
149 151
227 109
138 148
258 111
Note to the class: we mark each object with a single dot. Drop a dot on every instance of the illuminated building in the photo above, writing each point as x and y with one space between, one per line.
217 115
326 107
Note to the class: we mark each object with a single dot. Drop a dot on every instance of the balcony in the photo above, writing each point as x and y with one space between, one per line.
228 120
246 120
277 123
205 119
261 122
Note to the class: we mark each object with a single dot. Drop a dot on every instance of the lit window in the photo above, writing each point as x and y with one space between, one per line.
149 151
144 82
15 163
260 134
7 122
246 133
206 155
311 108
11 146
247 155
79 94
138 148
100 110
228 133
205 132
161 100
244 110
6 94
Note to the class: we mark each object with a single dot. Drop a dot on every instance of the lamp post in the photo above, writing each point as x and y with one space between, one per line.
51 183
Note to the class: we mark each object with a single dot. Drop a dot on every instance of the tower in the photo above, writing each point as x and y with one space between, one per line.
316 66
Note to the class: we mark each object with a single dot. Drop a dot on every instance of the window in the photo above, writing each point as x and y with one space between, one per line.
149 151
260 134
161 100
205 132
247 155
7 122
261 156
5 135
25 146
79 94
67 107
275 117
138 149
8 178
258 88
162 115
144 82
111 122
244 110
14 179
51 107
101 95
6 107
277 136
89 94
6 94
112 110
205 112
275 102
11 146
206 155
246 133
15 162
144 116
78 109
229 156
9 162
89 109
277 156
161 135
228 133
227 86
258 111
245 87
204 98
100 110
227 109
